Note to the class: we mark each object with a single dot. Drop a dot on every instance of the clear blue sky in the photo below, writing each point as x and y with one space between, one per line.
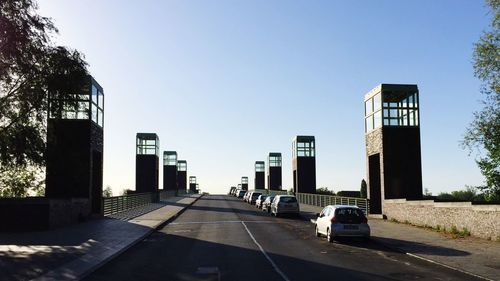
225 82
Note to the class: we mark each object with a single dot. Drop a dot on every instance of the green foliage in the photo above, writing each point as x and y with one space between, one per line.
363 189
18 181
470 193
483 134
324 191
459 233
30 67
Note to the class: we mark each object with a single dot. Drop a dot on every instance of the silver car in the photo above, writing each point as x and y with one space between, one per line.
285 204
342 220
252 199
266 205
259 201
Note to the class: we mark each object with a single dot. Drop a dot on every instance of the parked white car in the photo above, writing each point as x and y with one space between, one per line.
342 220
266 205
259 201
285 204
253 197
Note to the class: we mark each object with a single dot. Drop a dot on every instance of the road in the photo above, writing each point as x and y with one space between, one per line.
223 238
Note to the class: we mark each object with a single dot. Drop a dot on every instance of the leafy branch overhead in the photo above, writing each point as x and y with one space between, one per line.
30 67
483 133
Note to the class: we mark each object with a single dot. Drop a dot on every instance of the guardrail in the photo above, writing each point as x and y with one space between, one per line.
325 200
116 204
321 200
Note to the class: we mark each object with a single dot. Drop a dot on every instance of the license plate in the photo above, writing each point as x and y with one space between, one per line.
351 227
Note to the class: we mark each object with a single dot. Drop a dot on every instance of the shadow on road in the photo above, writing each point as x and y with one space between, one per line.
173 257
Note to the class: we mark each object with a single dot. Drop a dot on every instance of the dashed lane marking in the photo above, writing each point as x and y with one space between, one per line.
276 268
216 222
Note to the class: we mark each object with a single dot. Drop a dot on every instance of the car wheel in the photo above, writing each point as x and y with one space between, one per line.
329 236
317 232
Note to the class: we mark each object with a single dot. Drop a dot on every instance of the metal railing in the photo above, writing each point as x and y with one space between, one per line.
325 200
321 200
116 204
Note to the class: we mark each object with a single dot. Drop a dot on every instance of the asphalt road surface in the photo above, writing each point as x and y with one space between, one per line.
223 238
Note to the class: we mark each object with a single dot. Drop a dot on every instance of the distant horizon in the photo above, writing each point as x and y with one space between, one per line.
225 83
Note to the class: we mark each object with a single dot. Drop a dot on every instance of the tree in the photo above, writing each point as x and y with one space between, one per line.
470 194
363 189
427 192
30 67
126 191
14 181
107 192
325 191
483 134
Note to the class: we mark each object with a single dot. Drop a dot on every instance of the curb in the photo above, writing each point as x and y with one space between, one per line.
397 249
135 242
172 218
61 273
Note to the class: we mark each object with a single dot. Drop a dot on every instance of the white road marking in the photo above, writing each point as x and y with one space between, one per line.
216 222
276 268
447 266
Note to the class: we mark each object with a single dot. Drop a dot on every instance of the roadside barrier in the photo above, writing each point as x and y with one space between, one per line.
321 200
116 204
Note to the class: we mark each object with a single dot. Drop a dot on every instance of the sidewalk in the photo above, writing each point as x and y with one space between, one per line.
471 255
72 252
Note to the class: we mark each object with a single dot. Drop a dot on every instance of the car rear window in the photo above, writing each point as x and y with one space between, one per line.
256 194
288 199
349 215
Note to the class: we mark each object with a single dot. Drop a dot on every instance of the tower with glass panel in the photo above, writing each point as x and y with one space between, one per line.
260 177
274 171
244 183
192 184
182 175
75 145
392 135
304 164
169 170
147 162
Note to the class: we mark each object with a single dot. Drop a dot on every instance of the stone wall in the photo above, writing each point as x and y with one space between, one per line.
39 213
68 211
481 220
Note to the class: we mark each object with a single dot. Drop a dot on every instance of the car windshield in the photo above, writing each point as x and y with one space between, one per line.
349 215
288 199
256 194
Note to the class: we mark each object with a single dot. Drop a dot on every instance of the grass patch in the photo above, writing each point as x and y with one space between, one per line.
459 233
